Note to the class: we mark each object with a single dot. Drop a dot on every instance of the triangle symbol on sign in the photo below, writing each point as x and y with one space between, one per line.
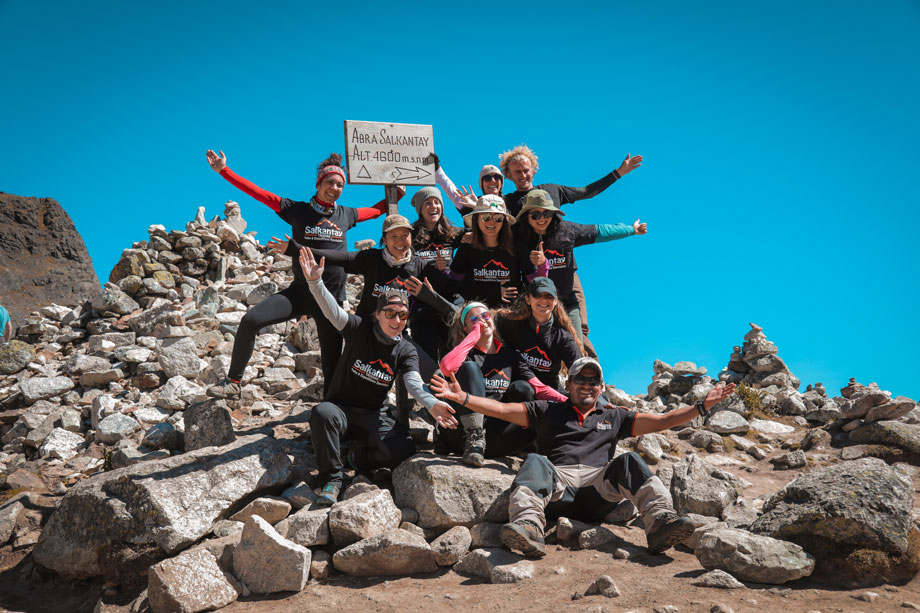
363 174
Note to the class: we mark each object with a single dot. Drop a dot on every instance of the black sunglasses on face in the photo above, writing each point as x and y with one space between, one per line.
582 380
391 313
492 178
497 217
541 214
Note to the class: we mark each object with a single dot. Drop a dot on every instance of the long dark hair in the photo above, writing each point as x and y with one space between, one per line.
530 235
444 230
505 241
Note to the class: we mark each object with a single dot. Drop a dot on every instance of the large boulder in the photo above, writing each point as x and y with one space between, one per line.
841 514
363 516
266 562
701 488
147 511
750 557
14 356
894 433
447 493
395 552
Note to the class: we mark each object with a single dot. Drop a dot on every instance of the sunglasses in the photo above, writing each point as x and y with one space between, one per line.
392 313
492 178
582 380
484 316
538 215
496 217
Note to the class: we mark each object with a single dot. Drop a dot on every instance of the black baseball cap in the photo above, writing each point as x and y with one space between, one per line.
542 285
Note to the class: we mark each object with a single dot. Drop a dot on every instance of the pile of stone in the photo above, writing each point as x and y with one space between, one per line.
757 364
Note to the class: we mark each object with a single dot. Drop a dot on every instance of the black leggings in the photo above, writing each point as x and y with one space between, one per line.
502 438
290 303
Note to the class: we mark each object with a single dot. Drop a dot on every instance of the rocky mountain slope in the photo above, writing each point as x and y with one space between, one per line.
117 472
42 257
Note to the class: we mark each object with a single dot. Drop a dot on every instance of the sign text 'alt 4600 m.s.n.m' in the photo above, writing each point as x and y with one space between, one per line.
389 153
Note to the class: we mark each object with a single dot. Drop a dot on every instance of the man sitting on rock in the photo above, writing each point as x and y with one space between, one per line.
355 405
576 440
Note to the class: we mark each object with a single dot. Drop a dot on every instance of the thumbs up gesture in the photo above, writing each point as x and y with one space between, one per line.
537 258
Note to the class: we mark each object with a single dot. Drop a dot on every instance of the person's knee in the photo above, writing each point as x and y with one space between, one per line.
536 474
326 415
393 451
522 391
628 470
467 372
251 322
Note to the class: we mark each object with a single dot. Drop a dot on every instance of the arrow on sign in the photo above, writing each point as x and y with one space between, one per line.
420 172
363 174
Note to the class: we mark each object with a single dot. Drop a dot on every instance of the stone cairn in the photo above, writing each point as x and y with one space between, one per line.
115 464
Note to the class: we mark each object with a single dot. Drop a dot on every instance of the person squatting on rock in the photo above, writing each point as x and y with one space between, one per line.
520 164
487 267
537 326
548 238
576 440
486 367
354 407
321 223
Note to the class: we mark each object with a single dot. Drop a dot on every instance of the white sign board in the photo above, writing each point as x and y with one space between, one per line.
389 153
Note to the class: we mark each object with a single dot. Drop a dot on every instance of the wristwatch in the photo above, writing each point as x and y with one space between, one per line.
701 407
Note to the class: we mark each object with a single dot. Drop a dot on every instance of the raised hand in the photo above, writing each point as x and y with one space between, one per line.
467 196
639 227
509 293
413 285
629 164
311 270
718 394
537 257
448 389
217 162
443 414
278 246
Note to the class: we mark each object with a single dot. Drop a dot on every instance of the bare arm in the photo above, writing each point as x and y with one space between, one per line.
513 412
646 423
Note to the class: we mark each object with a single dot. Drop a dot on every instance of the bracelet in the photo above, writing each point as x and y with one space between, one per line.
465 400
701 408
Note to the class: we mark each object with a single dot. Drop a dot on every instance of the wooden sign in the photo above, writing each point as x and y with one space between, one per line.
389 153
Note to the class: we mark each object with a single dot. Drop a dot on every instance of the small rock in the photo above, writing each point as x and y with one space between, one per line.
717 578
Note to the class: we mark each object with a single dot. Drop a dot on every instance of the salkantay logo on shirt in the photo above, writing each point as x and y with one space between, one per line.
496 380
492 271
378 372
394 283
537 358
604 425
324 230
555 259
431 253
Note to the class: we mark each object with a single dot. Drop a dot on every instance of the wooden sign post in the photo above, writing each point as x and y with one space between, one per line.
389 154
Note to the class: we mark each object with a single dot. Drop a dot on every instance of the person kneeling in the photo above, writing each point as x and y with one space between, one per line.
354 407
576 440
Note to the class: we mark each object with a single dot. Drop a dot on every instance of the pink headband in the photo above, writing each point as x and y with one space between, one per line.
329 170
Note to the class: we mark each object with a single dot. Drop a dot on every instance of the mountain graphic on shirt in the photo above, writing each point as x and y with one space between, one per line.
497 264
326 222
554 258
383 366
537 358
495 373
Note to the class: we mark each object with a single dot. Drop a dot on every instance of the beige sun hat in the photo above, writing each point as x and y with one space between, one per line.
490 203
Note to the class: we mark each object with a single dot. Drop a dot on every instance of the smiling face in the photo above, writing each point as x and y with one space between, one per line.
330 188
474 316
544 218
492 184
521 173
541 307
490 224
392 327
431 211
583 395
397 242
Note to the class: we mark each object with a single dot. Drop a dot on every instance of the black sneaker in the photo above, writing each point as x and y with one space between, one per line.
474 447
329 495
524 536
226 388
668 530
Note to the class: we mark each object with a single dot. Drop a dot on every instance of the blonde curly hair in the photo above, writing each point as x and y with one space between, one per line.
522 151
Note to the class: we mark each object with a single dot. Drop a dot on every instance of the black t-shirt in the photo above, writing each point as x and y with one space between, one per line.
543 348
484 272
427 249
368 367
499 369
558 246
565 442
561 194
313 229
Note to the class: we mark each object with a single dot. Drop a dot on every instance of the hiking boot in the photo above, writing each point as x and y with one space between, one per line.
329 495
524 536
474 447
668 530
227 388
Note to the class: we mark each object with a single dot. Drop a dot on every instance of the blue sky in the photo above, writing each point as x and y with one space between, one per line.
780 143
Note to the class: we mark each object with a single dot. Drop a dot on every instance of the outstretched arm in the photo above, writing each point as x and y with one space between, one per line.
450 390
219 164
313 272
571 194
373 212
441 411
646 423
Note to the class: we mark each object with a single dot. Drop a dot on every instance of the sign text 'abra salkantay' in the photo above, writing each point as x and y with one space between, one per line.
389 153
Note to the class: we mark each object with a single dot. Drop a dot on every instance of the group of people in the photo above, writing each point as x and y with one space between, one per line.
477 323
